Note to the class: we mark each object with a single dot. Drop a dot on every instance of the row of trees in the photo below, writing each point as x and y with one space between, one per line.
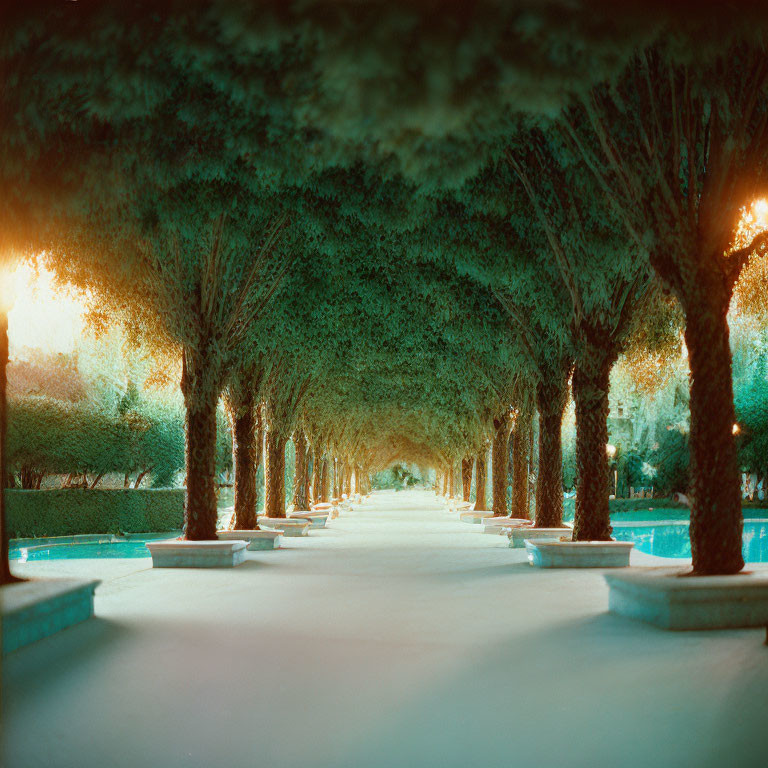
390 283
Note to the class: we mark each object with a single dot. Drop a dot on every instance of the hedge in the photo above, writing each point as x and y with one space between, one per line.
71 511
641 510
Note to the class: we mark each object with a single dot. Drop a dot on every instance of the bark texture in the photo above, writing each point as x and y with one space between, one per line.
245 438
716 517
481 476
316 472
324 480
300 499
6 577
590 392
466 477
551 398
500 464
275 475
521 452
200 512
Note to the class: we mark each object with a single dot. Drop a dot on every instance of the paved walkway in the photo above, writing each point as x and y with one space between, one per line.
397 638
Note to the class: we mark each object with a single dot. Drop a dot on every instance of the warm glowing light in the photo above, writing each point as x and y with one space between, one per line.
736 429
44 316
610 450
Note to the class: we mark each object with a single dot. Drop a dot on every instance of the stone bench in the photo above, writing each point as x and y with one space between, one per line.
180 553
257 540
578 554
317 519
289 526
32 610
518 534
667 598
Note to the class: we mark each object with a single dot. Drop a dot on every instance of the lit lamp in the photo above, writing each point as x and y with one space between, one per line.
610 451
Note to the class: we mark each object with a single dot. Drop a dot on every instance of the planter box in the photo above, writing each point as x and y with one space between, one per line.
518 535
660 596
289 527
256 540
32 610
317 519
179 553
578 554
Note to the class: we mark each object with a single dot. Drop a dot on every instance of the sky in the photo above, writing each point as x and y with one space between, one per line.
44 316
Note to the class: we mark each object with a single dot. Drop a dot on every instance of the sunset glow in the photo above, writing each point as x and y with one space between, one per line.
43 315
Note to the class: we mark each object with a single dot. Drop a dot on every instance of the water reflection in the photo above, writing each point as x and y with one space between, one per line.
672 539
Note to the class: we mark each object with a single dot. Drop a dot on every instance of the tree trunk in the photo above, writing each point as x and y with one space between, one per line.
136 485
308 477
466 478
481 474
6 577
324 480
450 481
316 472
300 500
500 464
245 458
592 520
521 450
347 480
551 397
275 474
200 513
716 517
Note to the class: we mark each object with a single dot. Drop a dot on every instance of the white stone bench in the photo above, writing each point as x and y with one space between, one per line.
180 553
257 540
317 519
667 599
503 525
32 610
578 554
289 526
518 534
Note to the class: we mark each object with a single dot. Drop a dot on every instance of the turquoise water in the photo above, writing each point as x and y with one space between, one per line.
105 548
672 539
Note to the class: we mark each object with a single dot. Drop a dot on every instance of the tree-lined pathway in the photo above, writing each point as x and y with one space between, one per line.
396 637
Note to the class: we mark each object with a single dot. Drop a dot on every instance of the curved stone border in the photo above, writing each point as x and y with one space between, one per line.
578 554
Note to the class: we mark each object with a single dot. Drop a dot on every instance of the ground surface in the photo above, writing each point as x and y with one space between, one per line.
397 638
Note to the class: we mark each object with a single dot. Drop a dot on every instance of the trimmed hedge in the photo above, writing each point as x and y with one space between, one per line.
640 510
71 511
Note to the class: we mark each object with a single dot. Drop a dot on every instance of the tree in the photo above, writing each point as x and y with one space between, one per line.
678 146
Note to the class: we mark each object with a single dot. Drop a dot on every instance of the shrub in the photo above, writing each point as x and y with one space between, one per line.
70 511
50 436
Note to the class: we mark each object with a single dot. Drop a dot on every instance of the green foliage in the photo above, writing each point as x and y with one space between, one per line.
751 400
83 438
67 512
